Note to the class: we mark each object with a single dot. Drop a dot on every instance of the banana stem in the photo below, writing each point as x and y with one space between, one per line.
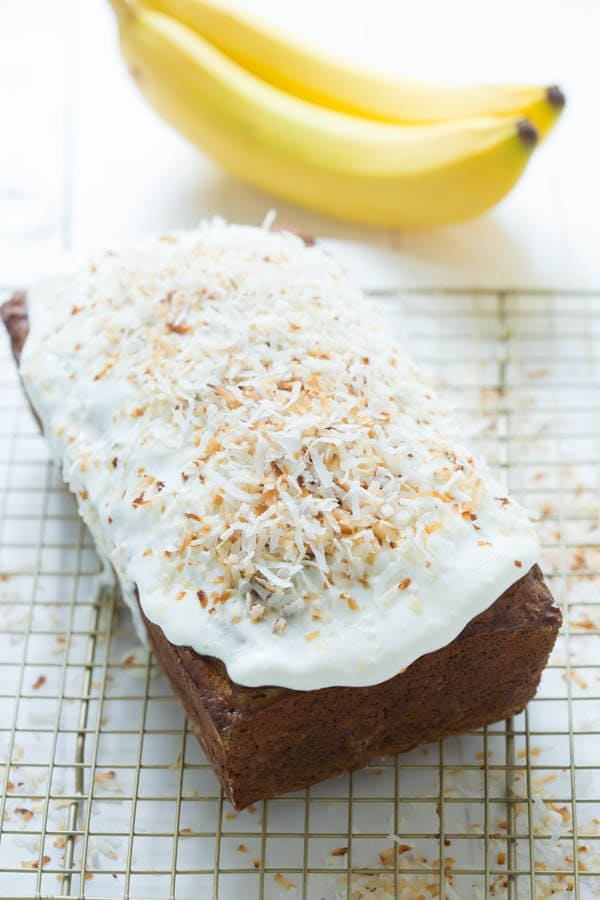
555 96
527 132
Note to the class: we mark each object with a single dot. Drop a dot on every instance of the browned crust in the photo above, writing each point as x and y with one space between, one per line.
16 321
266 741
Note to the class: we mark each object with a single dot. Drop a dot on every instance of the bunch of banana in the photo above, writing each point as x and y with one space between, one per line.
346 142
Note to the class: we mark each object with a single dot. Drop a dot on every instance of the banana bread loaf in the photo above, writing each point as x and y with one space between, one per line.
460 666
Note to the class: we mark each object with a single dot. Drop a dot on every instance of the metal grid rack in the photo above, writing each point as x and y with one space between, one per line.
105 793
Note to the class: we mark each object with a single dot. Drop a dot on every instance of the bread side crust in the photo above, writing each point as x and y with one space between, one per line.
267 741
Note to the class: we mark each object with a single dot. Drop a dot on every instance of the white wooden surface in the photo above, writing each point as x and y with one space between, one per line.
83 159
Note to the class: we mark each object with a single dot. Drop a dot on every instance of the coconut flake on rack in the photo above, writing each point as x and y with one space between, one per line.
237 422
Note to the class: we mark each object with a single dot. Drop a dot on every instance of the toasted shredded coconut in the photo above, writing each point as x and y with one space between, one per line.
246 417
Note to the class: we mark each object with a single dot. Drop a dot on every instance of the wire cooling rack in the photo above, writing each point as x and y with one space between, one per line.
106 794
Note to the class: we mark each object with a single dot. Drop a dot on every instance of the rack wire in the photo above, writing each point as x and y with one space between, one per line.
105 793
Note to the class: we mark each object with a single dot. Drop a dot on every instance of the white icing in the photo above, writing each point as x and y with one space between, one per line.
236 422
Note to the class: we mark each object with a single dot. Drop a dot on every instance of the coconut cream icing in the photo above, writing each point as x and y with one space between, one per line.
262 463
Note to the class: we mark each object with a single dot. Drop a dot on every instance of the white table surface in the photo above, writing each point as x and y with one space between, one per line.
83 159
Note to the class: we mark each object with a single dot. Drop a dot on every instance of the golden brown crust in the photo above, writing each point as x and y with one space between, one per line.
267 741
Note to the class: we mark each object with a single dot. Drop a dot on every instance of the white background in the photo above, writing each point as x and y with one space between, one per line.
83 159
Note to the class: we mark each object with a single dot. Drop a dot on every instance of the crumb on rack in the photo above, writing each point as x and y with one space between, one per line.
34 864
283 882
177 764
533 751
585 623
544 779
103 778
386 856
577 678
26 814
563 812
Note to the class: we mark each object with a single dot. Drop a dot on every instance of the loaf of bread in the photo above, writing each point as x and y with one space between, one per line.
323 572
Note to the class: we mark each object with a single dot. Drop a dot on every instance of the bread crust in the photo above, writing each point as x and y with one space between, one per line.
267 741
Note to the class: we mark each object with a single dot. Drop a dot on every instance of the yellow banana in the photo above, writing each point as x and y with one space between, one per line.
305 72
356 169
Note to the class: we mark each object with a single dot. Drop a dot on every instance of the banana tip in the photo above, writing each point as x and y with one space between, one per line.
555 96
527 132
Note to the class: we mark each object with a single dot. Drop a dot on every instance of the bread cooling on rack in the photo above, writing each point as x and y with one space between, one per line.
324 571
